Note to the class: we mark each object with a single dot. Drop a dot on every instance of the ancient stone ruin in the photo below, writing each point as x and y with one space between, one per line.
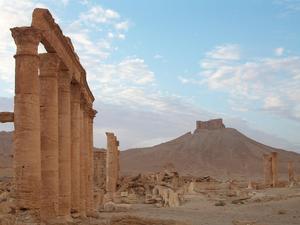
112 165
53 119
100 168
209 125
270 169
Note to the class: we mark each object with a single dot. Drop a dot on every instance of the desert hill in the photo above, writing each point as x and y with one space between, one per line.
211 150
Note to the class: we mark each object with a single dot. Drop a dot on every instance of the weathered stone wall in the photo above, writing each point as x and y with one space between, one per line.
210 124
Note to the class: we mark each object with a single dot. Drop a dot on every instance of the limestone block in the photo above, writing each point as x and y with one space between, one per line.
6 117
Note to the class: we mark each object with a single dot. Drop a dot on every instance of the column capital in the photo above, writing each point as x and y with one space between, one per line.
91 113
27 39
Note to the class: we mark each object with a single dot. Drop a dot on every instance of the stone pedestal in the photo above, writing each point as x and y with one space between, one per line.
49 134
64 128
27 145
75 147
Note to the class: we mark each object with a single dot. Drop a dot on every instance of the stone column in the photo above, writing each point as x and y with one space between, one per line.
75 147
274 169
49 134
87 161
111 166
267 169
90 117
291 172
82 159
27 145
64 129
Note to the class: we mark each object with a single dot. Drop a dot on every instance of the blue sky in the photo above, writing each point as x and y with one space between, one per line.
157 66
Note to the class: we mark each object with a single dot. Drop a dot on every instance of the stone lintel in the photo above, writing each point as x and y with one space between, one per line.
6 117
55 41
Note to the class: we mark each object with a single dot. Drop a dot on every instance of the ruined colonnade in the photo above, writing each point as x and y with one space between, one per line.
53 119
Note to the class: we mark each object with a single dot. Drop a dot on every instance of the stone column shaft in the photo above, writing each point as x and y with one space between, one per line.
112 165
49 135
267 169
64 116
291 172
274 169
82 161
27 155
90 190
75 145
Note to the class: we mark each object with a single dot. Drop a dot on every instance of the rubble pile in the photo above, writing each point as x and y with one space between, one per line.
164 189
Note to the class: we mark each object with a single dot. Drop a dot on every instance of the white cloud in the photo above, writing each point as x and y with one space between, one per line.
289 6
158 56
279 51
65 2
225 52
97 14
270 83
273 102
121 36
124 25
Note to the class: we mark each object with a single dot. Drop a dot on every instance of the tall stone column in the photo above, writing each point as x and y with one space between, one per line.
112 161
27 145
49 134
82 159
64 129
274 169
87 161
75 146
90 117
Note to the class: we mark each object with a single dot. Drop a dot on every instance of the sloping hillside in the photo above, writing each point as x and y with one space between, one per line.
217 152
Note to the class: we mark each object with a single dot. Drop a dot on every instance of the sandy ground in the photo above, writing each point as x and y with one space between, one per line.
269 207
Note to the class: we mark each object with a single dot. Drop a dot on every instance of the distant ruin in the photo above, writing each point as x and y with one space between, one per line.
209 125
270 169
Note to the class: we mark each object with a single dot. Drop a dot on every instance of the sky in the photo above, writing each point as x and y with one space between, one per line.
155 67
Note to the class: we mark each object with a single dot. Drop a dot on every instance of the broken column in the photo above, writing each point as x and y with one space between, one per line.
100 168
291 172
27 155
267 169
270 169
64 129
274 169
75 146
49 134
112 165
